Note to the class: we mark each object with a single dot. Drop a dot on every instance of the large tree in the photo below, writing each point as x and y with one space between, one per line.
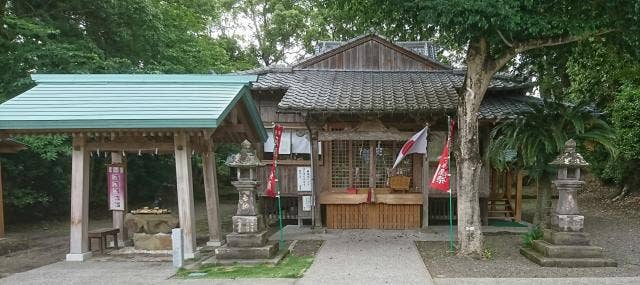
492 34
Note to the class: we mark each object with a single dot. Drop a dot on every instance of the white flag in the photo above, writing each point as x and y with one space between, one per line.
416 144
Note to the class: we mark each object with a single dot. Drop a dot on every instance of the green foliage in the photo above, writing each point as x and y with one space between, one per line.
291 267
538 136
534 233
488 253
86 36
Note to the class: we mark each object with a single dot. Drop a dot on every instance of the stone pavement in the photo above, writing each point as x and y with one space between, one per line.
368 257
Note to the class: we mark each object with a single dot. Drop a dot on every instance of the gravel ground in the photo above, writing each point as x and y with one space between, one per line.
615 226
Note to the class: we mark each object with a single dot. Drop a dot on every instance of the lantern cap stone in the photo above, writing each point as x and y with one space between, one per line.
246 158
570 157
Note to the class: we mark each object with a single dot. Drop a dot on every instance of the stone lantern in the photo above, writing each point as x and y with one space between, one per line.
249 237
245 164
566 216
566 244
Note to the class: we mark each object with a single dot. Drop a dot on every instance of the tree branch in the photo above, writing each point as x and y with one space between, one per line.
539 43
519 47
506 42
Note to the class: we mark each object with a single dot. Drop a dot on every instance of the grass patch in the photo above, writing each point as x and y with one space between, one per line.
290 267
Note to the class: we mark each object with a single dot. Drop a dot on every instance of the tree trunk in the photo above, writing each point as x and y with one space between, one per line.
543 203
469 163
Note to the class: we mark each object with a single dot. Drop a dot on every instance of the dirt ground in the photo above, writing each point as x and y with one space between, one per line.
615 226
34 245
307 247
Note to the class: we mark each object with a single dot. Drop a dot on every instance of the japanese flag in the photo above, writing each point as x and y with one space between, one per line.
416 144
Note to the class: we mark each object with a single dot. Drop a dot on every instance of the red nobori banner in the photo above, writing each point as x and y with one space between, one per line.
117 186
441 179
271 184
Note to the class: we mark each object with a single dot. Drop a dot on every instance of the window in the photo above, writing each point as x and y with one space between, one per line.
361 163
351 163
340 164
294 145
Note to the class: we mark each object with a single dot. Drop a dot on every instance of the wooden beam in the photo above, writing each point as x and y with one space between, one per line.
355 135
372 164
211 194
424 184
129 146
118 216
184 184
1 207
79 226
316 207
518 206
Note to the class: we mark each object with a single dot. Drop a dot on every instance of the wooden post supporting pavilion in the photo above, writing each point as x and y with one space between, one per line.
1 206
184 182
118 216
79 226
211 194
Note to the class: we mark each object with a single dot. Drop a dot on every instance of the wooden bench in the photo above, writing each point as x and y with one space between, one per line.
101 235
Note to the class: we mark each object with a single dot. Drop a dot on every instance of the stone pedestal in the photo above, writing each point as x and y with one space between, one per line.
249 237
565 244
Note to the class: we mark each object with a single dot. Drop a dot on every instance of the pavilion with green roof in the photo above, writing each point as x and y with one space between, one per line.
136 113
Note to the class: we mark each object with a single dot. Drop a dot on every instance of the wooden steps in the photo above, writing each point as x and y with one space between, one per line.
500 208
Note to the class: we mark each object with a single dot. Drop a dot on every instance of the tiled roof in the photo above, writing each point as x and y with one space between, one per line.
380 91
495 107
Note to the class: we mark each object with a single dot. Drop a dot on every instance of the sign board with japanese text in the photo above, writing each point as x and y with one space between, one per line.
304 178
117 186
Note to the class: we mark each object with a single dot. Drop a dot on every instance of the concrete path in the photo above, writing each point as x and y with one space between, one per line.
118 272
368 257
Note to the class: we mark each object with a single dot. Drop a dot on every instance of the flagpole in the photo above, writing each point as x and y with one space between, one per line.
449 139
281 242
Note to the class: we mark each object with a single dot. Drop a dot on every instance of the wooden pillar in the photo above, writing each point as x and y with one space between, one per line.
118 216
508 185
184 184
424 184
79 226
1 206
211 194
317 215
518 210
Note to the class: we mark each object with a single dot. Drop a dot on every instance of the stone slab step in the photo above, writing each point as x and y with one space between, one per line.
566 238
567 251
247 240
541 260
262 252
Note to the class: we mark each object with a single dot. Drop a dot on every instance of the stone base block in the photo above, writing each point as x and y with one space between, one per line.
247 240
567 251
541 260
572 223
248 224
566 238
215 243
78 256
152 242
263 252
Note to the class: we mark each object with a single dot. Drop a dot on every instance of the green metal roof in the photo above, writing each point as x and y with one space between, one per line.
128 101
